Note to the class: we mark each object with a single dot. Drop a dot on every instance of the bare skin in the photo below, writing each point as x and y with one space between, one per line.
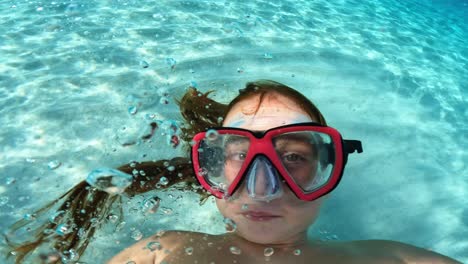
189 247
282 234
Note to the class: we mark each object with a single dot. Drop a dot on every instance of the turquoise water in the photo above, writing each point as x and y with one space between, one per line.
390 73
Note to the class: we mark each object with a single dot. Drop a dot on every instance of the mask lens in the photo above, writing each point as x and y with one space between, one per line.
221 158
307 156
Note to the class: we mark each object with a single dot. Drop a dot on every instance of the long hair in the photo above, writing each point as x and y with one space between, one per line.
199 113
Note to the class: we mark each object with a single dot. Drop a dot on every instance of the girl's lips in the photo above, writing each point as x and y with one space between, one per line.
259 216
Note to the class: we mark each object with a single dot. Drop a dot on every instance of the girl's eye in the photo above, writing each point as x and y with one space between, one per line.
238 156
293 158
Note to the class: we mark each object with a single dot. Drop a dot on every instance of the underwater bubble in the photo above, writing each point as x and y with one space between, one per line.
56 217
154 246
52 165
164 100
132 110
30 160
166 164
167 210
268 252
4 200
297 252
144 64
94 222
142 173
192 71
267 56
245 207
171 168
29 217
229 225
10 180
211 135
163 181
63 229
240 70
109 180
220 119
70 256
40 8
81 232
131 262
203 171
48 231
189 251
151 205
171 62
120 226
235 250
136 235
135 172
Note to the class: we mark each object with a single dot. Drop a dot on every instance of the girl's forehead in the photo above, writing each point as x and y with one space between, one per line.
274 110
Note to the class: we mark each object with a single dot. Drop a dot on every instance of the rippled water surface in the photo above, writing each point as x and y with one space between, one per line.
79 79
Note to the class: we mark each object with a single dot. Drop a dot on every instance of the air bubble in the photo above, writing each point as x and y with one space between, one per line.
10 180
70 256
52 165
245 207
151 205
136 235
189 251
235 250
268 252
120 226
229 225
171 168
63 229
211 135
154 246
203 172
132 110
164 100
163 181
56 217
171 62
144 64
131 262
297 252
267 56
29 217
166 210
109 180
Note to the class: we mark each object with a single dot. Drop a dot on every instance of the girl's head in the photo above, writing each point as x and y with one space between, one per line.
263 105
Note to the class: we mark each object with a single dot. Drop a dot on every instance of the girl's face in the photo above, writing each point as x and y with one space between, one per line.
283 220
